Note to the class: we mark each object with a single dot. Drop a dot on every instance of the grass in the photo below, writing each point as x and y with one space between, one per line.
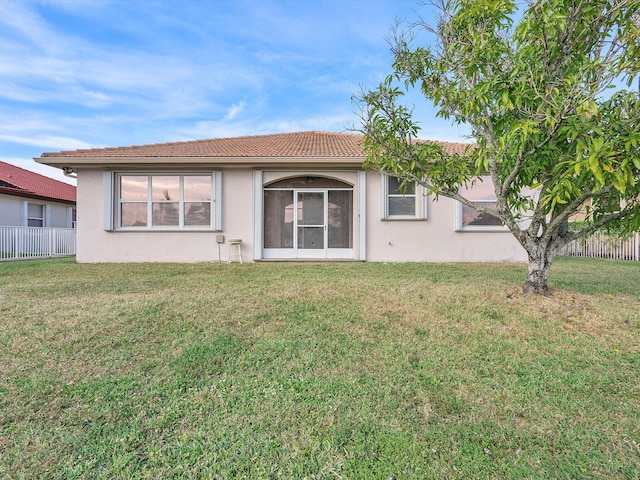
339 370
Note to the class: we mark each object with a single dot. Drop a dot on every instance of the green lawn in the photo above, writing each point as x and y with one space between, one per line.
338 370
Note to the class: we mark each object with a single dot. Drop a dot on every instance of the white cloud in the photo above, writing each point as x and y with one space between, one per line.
96 99
235 110
50 142
39 64
338 122
86 74
21 20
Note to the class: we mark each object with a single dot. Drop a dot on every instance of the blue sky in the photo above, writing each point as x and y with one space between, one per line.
83 74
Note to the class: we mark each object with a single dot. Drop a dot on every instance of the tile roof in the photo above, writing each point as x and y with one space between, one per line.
18 181
281 145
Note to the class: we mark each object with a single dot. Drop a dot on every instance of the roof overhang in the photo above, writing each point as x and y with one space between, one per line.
17 192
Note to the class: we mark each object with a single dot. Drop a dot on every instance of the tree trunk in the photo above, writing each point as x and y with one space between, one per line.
539 265
541 254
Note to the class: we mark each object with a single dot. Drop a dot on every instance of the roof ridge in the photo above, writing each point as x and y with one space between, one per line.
203 140
284 145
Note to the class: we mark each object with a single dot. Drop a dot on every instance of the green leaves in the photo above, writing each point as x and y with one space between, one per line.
535 87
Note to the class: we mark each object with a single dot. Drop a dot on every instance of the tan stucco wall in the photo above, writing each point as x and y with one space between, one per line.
97 245
433 239
237 210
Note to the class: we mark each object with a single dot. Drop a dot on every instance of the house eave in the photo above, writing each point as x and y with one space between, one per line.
34 196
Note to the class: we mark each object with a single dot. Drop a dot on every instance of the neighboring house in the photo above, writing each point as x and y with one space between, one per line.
29 199
289 196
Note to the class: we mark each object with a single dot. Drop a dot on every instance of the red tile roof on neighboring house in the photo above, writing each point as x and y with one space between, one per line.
18 181
281 145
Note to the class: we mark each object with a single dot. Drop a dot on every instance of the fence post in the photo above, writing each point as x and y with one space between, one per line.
637 246
17 245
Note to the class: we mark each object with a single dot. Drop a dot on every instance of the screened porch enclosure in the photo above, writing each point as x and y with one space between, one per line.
310 218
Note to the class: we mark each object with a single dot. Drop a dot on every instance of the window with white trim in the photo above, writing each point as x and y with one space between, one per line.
35 215
468 218
399 204
71 217
165 201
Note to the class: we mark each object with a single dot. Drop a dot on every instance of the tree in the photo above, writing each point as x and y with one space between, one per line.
537 85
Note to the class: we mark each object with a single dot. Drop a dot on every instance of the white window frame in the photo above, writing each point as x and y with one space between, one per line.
43 219
459 227
420 198
71 223
113 219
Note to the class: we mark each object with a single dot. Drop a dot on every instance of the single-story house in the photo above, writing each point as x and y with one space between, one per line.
29 199
291 196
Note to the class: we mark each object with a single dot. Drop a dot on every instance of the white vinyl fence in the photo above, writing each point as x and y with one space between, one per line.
601 245
33 242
